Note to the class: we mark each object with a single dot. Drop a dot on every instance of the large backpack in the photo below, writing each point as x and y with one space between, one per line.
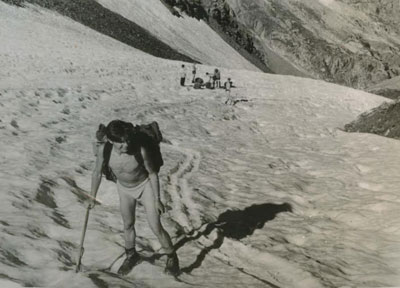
197 85
199 80
147 136
209 85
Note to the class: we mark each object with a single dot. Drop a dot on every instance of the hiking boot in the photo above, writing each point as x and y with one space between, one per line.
132 258
172 266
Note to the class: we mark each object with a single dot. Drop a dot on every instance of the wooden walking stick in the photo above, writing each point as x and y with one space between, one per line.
81 249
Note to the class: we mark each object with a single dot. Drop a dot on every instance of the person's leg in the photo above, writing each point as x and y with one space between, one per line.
128 207
153 217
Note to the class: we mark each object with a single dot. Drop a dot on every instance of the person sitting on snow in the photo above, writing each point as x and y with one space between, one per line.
210 83
198 83
228 85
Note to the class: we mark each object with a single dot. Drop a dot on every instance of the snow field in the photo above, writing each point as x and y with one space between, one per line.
266 193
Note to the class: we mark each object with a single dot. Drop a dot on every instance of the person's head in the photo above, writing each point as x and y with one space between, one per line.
183 65
117 133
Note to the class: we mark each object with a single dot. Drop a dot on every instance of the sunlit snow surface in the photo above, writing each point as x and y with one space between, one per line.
185 34
266 193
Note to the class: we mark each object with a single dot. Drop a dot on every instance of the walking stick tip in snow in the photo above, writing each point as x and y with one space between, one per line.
81 249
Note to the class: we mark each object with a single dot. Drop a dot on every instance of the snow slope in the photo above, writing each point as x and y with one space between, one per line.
266 193
186 34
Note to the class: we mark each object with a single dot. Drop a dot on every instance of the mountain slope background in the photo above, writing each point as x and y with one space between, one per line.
353 43
269 192
389 88
186 34
128 22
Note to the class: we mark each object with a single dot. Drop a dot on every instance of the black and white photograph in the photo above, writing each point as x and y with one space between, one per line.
200 143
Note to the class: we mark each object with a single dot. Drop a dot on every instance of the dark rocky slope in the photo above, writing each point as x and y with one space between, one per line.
389 88
219 16
383 120
353 43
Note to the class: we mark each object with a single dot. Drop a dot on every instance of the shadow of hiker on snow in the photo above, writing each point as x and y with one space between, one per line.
235 224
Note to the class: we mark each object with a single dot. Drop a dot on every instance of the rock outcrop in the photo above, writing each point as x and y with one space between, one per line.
389 88
383 120
353 43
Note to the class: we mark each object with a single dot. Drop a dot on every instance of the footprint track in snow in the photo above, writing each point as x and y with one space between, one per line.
185 210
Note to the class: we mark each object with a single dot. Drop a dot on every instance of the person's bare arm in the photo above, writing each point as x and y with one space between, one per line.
96 174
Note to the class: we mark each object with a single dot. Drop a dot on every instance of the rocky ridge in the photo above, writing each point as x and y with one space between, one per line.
389 88
221 18
348 42
383 121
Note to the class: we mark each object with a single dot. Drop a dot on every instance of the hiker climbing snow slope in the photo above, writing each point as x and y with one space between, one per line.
265 193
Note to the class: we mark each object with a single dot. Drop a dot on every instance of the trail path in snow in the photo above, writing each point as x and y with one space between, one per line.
184 209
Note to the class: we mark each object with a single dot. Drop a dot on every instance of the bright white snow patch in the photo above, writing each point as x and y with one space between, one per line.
326 2
188 35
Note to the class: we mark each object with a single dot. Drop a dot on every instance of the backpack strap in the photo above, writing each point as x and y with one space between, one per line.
137 139
156 131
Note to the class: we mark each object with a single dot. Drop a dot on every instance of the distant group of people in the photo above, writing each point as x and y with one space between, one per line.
213 79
